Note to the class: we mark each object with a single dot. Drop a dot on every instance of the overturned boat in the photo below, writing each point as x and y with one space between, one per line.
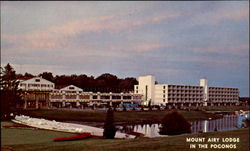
64 127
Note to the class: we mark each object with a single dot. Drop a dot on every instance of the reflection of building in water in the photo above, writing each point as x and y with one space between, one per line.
226 123
205 126
149 130
240 121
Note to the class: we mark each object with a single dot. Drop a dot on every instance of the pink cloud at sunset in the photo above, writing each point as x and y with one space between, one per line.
57 36
230 14
234 50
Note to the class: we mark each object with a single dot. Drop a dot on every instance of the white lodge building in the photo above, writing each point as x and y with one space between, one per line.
41 93
36 92
36 83
184 95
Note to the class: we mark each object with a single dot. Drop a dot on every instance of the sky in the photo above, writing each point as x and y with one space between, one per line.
177 42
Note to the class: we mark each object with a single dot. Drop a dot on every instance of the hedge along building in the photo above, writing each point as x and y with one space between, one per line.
41 93
184 95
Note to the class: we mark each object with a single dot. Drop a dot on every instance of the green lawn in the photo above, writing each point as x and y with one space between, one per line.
40 140
15 136
99 116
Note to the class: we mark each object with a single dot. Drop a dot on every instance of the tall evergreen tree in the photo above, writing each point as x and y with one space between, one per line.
109 127
10 95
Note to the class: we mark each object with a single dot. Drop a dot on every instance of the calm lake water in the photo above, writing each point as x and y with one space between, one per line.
228 122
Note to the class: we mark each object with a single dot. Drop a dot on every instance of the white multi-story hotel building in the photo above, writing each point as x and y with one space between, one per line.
184 95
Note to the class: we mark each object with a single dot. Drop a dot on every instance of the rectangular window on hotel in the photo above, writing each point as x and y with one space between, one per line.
116 97
127 97
84 96
105 97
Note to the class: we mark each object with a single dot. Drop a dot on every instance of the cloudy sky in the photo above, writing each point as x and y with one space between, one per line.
178 42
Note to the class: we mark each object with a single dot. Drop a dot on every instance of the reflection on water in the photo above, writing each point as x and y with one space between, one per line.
228 122
149 130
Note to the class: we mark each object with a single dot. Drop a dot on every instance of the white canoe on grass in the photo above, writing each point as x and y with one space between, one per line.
64 127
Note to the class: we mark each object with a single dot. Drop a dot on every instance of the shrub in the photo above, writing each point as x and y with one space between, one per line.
247 122
109 127
174 124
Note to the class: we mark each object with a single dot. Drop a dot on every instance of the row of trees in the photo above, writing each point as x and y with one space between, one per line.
104 83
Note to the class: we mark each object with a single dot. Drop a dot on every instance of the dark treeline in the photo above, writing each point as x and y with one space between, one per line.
104 83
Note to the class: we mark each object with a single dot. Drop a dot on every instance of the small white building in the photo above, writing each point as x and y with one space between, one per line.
36 84
68 89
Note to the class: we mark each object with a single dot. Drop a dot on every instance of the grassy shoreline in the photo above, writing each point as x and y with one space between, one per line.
221 108
131 117
19 139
